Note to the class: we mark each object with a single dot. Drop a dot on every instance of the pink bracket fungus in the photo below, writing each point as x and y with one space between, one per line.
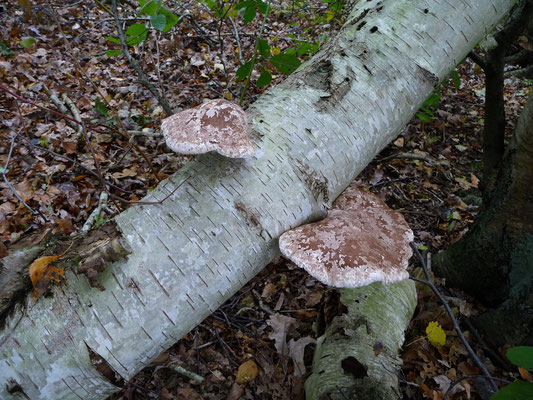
359 242
216 125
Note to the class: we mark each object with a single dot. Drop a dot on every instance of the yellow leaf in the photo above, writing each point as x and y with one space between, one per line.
436 335
41 273
247 372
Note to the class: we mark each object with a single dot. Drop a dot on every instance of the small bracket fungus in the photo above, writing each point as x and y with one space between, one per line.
216 125
360 241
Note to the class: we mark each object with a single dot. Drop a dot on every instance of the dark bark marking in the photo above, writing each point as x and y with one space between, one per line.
251 216
13 387
104 367
352 366
428 76
315 181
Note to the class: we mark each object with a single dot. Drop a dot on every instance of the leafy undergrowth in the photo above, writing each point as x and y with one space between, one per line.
431 174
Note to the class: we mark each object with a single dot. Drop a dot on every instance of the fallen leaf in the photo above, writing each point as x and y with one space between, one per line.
436 335
247 372
41 273
280 325
296 351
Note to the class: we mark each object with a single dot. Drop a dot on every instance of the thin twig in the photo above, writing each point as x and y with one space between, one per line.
429 283
185 372
73 110
241 60
102 206
413 156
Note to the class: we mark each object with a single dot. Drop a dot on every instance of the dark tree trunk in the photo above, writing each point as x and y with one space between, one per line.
493 65
494 260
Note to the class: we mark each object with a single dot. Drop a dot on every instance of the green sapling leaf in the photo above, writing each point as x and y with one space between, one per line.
285 63
244 70
113 53
264 79
158 21
519 390
521 356
137 29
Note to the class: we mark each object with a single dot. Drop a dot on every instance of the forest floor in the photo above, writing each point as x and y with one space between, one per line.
431 174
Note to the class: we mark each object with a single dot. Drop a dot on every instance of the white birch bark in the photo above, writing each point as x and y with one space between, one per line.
315 132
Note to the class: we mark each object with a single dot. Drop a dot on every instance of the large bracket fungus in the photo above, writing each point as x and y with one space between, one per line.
216 125
359 242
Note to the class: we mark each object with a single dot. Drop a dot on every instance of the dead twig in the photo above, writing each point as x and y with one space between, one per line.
429 282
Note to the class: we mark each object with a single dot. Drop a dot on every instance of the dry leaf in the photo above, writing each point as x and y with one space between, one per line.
280 326
41 273
247 372
296 351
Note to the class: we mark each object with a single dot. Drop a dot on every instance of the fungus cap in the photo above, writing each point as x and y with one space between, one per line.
355 246
216 125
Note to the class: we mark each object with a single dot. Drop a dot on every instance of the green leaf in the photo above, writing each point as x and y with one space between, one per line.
172 19
133 40
244 70
290 51
304 48
521 356
245 4
264 48
423 248
423 117
113 39
4 49
27 42
249 14
262 7
519 390
149 8
432 100
100 107
285 63
158 21
264 79
113 53
211 4
455 79
136 30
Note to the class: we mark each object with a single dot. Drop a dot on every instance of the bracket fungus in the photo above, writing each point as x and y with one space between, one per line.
216 125
359 242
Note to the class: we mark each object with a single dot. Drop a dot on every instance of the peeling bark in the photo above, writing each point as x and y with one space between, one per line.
191 253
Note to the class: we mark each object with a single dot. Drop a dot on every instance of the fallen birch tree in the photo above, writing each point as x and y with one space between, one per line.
315 132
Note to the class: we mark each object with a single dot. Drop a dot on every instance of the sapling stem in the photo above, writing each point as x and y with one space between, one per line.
254 58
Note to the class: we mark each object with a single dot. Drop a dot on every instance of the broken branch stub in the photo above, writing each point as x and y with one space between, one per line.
360 241
216 125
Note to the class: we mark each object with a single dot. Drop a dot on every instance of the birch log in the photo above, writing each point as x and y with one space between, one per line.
315 132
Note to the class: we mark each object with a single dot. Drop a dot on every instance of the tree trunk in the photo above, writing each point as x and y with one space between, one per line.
315 132
357 357
498 249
